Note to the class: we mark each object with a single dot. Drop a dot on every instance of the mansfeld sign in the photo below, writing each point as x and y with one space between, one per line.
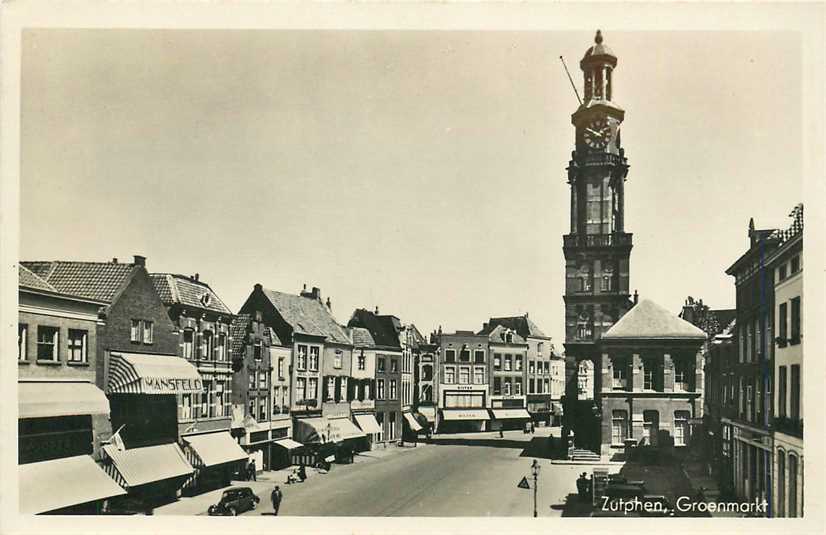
171 385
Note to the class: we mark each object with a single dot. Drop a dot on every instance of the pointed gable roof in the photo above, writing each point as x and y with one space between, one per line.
648 320
180 289
307 315
384 329
497 336
96 281
27 279
523 325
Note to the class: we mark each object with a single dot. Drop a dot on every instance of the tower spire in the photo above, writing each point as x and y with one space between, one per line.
598 37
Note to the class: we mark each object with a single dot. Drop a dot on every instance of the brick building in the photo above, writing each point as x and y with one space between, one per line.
62 414
648 383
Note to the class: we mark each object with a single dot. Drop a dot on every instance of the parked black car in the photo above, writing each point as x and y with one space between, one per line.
234 500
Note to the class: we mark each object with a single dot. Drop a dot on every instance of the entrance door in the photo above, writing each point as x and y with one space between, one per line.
651 426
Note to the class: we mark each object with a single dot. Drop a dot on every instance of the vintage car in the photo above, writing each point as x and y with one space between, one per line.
233 501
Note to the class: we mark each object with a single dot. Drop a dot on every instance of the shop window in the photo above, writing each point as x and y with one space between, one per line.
77 346
48 342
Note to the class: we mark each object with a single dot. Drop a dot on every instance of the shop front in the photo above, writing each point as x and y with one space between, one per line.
541 409
508 412
463 420
261 442
428 412
152 474
414 424
70 485
367 422
215 457
325 437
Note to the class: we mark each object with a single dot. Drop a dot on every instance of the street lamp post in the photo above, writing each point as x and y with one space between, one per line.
535 471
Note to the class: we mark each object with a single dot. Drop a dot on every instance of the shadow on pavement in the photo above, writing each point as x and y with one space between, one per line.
574 507
485 442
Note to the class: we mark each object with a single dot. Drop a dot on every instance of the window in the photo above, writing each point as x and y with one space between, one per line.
507 363
256 350
464 355
450 355
606 283
781 391
531 367
497 361
148 332
393 393
620 374
651 426
507 386
262 409
77 345
783 332
517 363
312 388
795 265
262 380
517 385
331 388
219 399
361 361
301 358
795 339
781 483
479 356
250 408
464 375
392 428
343 389
186 407
135 331
478 375
380 421
337 360
48 341
450 374
531 386
188 341
221 350
300 389
379 388
22 333
314 351
547 383
794 401
539 348
206 345
680 376
793 486
252 381
648 374
394 366
619 427
681 430
380 365
497 386
583 330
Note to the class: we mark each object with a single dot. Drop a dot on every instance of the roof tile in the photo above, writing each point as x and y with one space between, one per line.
98 281
649 320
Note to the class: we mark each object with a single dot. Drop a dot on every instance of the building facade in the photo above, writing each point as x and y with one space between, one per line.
648 384
363 385
597 249
464 387
786 264
507 370
749 422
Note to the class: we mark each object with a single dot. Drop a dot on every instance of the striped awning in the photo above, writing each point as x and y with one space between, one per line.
133 373
51 485
323 430
213 448
411 421
511 414
138 466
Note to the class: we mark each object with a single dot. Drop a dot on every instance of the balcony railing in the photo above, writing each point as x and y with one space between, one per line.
617 239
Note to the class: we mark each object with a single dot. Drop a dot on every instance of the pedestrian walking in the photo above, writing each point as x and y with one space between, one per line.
276 497
252 472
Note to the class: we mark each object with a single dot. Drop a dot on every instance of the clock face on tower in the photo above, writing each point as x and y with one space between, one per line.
597 133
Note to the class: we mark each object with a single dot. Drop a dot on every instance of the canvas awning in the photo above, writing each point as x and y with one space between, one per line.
465 414
511 414
50 485
139 466
428 412
323 430
368 423
557 409
44 399
215 448
133 373
288 443
414 425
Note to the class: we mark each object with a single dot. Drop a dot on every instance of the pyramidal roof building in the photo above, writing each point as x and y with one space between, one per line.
648 320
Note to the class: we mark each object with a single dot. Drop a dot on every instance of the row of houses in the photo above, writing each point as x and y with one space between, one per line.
146 386
754 373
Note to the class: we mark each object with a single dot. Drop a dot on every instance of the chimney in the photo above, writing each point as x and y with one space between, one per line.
329 305
316 294
636 297
196 277
376 312
114 260
140 260
485 326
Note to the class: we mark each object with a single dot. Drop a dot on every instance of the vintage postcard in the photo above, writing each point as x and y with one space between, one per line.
412 268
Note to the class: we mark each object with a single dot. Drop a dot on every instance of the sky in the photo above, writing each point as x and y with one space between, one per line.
422 172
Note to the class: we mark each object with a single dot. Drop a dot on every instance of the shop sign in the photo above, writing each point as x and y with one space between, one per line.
171 384
465 387
335 410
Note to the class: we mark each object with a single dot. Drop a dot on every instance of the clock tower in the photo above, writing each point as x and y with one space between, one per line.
597 249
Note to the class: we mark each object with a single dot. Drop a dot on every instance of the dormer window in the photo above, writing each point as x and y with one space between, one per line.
205 299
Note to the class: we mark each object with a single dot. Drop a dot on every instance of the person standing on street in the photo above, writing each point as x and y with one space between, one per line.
253 471
276 497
